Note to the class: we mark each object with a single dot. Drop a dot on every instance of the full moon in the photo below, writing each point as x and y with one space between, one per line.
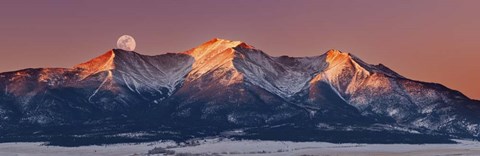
126 42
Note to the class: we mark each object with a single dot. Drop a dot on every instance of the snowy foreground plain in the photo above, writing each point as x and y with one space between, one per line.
215 147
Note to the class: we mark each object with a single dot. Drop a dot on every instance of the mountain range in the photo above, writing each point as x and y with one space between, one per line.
229 89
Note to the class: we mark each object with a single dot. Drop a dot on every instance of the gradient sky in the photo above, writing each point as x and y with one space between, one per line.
427 40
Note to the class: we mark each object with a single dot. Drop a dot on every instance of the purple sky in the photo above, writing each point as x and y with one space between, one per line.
434 41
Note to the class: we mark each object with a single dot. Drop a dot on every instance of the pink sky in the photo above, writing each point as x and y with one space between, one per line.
433 41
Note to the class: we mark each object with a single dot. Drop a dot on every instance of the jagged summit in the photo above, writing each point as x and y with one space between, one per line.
101 63
229 42
336 56
336 52
104 62
214 47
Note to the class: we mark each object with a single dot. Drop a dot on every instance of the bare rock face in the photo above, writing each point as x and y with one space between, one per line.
224 85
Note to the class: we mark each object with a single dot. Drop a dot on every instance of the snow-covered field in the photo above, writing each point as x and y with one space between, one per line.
246 147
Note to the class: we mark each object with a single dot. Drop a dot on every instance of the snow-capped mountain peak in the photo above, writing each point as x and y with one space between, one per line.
214 54
334 53
214 47
101 63
338 60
